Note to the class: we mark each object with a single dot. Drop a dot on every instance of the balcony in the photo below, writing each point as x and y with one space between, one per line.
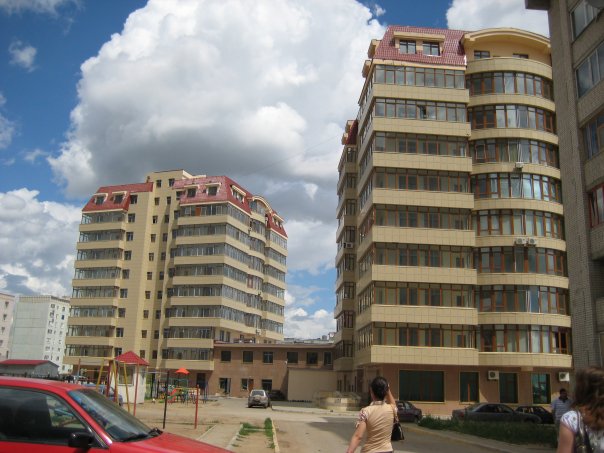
201 343
417 355
524 359
97 341
420 314
345 304
92 321
197 365
540 319
343 364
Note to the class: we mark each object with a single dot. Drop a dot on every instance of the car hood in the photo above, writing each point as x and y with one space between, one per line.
166 443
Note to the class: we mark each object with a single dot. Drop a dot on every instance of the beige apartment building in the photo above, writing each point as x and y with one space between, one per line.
451 264
167 267
577 40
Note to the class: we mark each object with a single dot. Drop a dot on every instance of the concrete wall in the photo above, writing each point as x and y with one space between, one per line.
303 384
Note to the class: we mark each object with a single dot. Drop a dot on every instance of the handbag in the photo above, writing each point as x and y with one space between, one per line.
397 429
582 444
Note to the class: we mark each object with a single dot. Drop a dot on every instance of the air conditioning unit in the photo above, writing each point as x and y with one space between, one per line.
520 241
519 165
348 245
493 375
564 376
532 241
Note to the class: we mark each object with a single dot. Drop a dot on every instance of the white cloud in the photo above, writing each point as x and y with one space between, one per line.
7 128
37 6
32 156
22 55
477 14
37 238
300 323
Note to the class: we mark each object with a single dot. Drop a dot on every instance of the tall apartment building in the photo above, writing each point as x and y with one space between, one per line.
166 267
451 250
577 40
40 328
7 308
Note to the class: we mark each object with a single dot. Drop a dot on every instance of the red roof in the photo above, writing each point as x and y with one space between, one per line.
18 362
131 358
109 204
453 52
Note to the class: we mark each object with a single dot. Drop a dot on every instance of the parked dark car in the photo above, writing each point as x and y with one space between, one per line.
258 398
545 415
40 416
276 395
407 412
493 412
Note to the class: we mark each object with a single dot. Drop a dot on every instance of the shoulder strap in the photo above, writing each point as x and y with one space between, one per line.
582 439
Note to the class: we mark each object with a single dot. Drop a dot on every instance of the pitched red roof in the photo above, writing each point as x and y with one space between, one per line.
224 192
19 362
131 358
109 204
453 52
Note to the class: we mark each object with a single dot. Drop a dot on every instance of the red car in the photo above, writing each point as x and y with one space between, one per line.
38 416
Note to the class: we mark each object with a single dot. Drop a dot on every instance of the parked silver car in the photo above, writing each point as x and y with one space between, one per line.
258 398
492 412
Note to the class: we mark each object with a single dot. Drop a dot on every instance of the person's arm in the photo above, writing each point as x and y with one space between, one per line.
566 440
390 398
357 437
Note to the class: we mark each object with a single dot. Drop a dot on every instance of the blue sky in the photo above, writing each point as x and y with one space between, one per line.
102 92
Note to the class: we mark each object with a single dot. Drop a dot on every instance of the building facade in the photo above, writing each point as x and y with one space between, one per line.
577 40
39 330
7 308
451 272
166 267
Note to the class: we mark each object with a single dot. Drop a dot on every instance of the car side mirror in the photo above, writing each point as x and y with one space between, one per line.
80 439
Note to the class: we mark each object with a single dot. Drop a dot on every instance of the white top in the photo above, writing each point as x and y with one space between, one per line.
596 438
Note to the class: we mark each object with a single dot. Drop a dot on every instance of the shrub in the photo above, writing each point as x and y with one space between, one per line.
515 433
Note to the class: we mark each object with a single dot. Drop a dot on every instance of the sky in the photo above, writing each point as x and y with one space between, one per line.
103 92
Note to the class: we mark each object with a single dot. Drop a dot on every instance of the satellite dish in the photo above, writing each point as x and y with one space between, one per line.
596 3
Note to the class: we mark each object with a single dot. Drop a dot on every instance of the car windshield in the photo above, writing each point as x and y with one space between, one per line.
473 407
257 392
118 423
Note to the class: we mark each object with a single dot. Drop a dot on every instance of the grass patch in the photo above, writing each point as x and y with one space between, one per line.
248 428
515 433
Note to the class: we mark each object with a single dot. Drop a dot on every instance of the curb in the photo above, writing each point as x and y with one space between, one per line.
275 442
234 438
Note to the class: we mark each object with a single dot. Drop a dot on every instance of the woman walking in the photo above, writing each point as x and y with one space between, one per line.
375 421
585 424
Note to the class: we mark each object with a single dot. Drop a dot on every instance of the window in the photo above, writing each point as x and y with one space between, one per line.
127 255
151 256
153 236
541 388
596 206
154 219
123 293
582 16
118 351
149 275
161 275
131 218
99 199
431 48
156 201
164 237
312 358
478 54
248 356
508 388
244 383
267 357
168 200
125 274
593 135
141 353
158 183
327 358
154 354
163 256
468 386
133 199
145 314
160 295
292 357
422 385
212 190
267 384
225 356
143 334
406 46
130 236
166 218
170 182
147 295
121 312
157 314
119 332
590 71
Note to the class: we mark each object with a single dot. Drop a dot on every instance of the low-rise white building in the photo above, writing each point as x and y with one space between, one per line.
40 327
